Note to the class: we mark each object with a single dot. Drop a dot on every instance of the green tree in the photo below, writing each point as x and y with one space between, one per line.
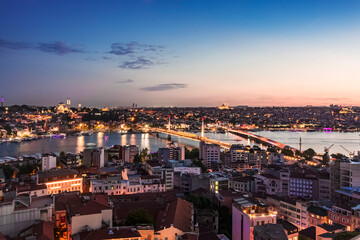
287 152
200 164
62 154
193 154
144 154
271 149
338 156
28 169
200 202
309 153
139 216
137 158
8 171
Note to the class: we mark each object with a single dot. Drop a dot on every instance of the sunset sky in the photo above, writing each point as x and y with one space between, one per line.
180 53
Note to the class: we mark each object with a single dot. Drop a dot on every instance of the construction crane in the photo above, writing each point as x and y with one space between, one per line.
327 149
351 154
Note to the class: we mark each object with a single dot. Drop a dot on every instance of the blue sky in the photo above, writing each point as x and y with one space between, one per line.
180 53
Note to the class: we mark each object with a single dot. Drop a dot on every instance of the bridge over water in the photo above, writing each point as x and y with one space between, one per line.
247 135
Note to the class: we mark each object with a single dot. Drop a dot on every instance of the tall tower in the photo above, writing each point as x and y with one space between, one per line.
300 144
79 106
169 125
202 127
2 101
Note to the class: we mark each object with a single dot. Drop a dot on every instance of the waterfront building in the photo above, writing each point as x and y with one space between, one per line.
127 153
71 160
244 157
48 161
248 213
172 152
94 157
61 180
209 154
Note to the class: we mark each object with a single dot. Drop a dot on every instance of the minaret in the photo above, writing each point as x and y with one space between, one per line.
202 127
169 126
300 143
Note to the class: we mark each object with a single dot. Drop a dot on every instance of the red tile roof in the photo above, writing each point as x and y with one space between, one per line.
44 230
178 213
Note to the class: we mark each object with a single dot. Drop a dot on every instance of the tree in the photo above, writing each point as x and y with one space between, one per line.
287 152
144 154
338 156
137 158
200 164
8 171
62 154
200 202
139 216
193 154
309 153
28 169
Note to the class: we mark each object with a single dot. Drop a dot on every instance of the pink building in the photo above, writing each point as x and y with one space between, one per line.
248 213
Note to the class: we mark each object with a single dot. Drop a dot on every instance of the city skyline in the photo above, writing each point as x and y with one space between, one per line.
179 53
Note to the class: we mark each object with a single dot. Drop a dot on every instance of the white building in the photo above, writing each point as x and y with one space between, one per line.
21 213
210 154
293 211
48 161
62 180
350 174
117 186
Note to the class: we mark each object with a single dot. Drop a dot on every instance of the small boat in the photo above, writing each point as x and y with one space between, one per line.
87 133
15 140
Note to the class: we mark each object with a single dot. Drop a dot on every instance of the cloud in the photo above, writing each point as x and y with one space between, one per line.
165 87
139 63
125 81
57 48
133 47
14 45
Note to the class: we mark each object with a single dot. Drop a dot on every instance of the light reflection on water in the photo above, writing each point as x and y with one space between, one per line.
75 144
